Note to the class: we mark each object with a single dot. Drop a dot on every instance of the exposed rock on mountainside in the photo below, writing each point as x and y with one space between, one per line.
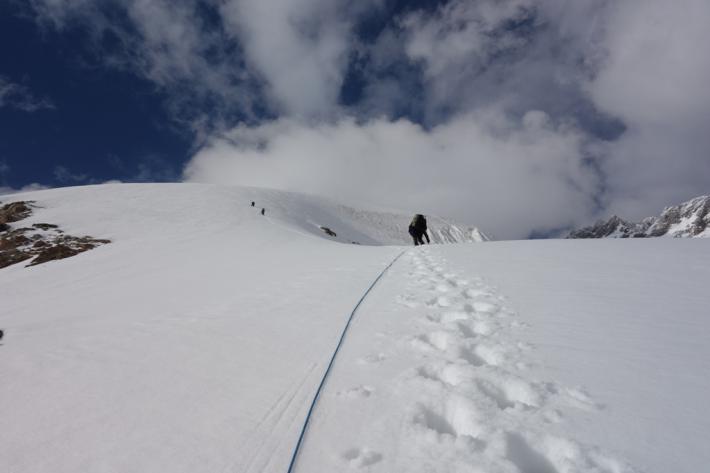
328 231
13 212
41 241
689 219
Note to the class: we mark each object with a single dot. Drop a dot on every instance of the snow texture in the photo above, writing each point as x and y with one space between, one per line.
194 342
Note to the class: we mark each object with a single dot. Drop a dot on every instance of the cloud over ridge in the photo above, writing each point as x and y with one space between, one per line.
521 116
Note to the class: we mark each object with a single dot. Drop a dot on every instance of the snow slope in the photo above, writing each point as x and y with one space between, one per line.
196 340
536 356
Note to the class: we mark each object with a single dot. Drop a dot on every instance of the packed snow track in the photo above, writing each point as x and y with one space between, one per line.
436 380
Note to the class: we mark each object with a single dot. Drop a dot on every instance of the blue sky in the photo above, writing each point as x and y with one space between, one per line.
521 116
98 123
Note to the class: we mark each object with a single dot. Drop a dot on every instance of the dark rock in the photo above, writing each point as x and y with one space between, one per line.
45 226
21 244
15 211
328 231
695 212
603 229
11 257
13 240
55 252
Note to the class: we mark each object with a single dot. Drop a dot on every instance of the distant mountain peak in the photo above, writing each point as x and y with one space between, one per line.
689 219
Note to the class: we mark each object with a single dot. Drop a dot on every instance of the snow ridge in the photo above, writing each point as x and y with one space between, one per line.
390 228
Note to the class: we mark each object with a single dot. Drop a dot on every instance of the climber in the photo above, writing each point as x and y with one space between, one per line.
418 229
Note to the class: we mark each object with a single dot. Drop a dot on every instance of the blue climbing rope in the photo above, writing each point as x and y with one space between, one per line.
296 450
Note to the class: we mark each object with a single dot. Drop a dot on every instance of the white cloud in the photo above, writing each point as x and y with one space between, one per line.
300 47
475 73
6 190
293 51
169 43
508 178
656 77
64 176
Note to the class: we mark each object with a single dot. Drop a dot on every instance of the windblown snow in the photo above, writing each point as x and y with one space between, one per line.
196 339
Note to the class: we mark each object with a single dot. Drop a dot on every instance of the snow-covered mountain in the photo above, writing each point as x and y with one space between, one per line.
194 336
689 219
25 235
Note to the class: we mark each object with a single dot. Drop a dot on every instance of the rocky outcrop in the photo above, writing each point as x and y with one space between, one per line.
615 227
689 219
328 231
39 242
14 212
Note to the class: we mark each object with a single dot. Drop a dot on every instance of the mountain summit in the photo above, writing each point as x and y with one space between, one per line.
689 219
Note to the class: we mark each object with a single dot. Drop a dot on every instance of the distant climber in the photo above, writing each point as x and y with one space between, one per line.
1 334
263 211
253 203
418 229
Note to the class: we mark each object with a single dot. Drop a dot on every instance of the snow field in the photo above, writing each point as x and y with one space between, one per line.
628 321
434 377
194 342
191 343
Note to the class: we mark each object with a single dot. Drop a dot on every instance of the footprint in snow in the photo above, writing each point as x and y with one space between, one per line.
358 392
441 301
407 301
372 359
454 416
482 328
509 391
494 355
361 457
439 340
442 288
453 283
465 330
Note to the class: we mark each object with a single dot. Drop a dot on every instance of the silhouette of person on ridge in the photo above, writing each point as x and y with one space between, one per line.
418 229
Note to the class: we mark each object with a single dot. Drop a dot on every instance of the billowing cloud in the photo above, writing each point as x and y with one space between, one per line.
517 115
655 78
509 178
6 189
299 47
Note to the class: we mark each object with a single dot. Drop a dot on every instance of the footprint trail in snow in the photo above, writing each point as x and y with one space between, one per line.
434 377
